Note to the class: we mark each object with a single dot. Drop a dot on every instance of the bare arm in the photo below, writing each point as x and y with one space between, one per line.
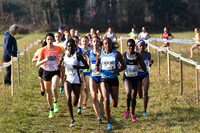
140 61
123 65
80 58
139 36
104 36
148 36
171 37
40 61
150 60
98 62
35 58
61 60
115 37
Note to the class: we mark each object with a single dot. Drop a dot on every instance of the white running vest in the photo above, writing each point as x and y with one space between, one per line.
72 75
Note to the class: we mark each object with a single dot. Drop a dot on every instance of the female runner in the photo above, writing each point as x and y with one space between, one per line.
49 56
132 60
95 77
144 76
109 59
72 73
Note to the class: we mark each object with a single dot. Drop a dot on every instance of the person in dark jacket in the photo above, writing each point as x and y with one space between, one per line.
10 49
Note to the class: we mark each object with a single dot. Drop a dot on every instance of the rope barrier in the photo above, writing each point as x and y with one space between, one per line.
181 41
7 64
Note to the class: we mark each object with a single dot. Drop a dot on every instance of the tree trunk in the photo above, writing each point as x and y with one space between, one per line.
31 6
2 12
45 17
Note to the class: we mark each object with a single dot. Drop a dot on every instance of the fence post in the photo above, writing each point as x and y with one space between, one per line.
169 66
181 75
24 61
3 83
197 86
12 76
29 58
33 49
18 71
158 62
121 41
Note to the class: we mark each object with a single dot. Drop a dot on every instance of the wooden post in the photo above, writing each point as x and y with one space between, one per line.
169 66
159 62
33 49
121 42
181 74
4 91
12 76
197 86
148 48
18 71
25 61
29 58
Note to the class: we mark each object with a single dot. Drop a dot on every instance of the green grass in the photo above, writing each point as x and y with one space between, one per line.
168 111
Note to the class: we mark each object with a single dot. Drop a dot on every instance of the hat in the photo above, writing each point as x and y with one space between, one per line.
60 27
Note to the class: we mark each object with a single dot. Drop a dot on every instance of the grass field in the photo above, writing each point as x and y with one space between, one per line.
168 111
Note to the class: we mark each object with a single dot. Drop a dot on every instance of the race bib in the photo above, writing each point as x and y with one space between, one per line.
94 72
131 70
108 63
51 65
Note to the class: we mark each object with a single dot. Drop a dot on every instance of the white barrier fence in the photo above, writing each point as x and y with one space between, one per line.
171 53
181 60
11 62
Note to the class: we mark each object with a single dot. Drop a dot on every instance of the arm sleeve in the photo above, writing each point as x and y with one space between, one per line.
14 48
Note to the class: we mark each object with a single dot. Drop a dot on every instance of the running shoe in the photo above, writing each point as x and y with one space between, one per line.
165 55
42 93
133 118
56 109
104 115
73 123
51 114
79 111
61 89
190 57
99 121
145 114
109 127
84 106
126 114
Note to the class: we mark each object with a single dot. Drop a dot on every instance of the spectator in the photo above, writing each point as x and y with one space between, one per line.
10 49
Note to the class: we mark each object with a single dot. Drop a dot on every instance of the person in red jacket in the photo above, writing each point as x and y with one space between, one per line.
166 36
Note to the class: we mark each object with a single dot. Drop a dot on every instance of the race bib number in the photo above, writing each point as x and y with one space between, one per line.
131 70
108 63
94 72
51 65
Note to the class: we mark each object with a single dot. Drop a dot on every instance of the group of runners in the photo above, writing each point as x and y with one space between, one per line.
91 64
